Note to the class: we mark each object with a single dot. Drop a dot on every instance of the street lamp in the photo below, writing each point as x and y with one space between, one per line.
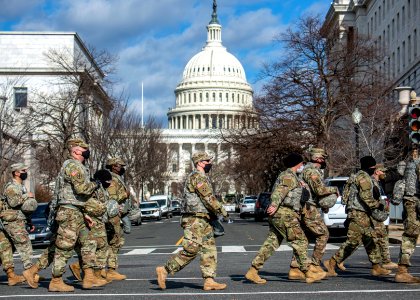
356 118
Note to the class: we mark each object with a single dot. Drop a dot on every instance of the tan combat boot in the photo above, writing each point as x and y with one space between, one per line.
98 274
314 274
76 270
390 265
29 275
12 278
210 284
90 280
161 277
252 275
377 270
341 266
112 274
330 266
296 274
402 275
57 285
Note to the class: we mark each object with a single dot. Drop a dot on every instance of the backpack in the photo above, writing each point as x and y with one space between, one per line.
349 190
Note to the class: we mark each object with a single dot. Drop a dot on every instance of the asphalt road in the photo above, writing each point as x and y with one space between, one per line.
152 243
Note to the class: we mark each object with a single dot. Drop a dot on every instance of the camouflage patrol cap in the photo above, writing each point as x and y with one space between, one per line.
317 153
29 206
18 167
200 156
76 143
94 207
115 161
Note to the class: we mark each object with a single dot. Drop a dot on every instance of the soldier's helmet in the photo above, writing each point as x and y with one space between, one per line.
315 153
94 207
328 201
29 206
115 161
18 167
379 215
112 208
200 156
77 142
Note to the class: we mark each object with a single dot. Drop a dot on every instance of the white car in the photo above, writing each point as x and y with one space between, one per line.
337 214
150 210
247 207
229 207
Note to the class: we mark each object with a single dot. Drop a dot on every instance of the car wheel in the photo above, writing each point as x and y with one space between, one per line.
167 215
138 221
241 216
159 218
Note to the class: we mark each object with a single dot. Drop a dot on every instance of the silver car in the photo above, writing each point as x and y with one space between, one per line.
247 207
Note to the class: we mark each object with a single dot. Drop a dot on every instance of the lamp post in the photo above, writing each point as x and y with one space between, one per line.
356 118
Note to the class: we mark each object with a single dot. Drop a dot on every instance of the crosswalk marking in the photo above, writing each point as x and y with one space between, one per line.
235 249
284 248
177 250
140 251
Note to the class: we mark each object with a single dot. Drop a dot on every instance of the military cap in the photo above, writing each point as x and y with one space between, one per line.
115 161
30 205
367 162
317 153
293 159
18 167
76 143
200 156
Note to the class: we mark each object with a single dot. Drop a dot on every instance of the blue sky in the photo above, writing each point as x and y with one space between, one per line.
154 39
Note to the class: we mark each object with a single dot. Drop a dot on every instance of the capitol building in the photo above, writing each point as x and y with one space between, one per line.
212 97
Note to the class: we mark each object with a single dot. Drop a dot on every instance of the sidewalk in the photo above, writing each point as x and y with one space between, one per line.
395 233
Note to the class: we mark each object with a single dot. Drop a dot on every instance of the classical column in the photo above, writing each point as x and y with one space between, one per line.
179 157
217 121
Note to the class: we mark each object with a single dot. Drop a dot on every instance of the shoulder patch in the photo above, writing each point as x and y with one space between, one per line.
199 184
74 173
287 180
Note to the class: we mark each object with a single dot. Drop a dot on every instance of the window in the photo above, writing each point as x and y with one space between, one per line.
220 97
174 168
207 97
409 48
201 97
195 97
227 97
21 97
214 97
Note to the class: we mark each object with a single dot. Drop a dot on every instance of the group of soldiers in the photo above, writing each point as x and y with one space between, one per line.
297 198
84 217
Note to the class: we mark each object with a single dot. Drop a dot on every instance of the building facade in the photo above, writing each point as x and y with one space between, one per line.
393 24
212 97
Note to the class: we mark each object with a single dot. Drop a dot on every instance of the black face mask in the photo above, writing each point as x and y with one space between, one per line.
207 168
105 184
122 171
86 154
23 176
323 165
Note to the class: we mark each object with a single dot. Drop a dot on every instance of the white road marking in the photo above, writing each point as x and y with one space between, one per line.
332 247
140 251
284 248
235 249
177 250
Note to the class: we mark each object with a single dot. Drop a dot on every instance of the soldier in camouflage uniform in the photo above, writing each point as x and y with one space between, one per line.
411 214
199 206
117 191
311 216
285 223
360 208
14 219
75 189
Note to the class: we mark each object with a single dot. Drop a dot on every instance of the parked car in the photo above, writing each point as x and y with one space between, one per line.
164 203
135 215
41 235
229 207
337 214
261 205
239 203
176 207
150 210
247 207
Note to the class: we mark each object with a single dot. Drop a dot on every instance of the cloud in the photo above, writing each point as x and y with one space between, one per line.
17 8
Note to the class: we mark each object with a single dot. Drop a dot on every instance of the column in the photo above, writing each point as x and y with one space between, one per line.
180 157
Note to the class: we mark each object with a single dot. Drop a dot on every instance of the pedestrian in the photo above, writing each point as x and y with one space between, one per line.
18 202
118 192
361 208
284 218
199 206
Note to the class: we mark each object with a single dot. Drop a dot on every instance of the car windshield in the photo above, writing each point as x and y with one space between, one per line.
161 202
149 205
264 197
39 213
338 183
175 203
250 201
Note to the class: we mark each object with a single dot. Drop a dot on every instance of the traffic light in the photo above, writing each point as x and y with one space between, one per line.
414 124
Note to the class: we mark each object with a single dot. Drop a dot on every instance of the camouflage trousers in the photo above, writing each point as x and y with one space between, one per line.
198 238
115 240
71 230
285 225
16 230
47 256
6 251
360 231
98 234
380 238
411 233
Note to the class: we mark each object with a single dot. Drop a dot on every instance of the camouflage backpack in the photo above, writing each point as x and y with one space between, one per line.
350 190
398 192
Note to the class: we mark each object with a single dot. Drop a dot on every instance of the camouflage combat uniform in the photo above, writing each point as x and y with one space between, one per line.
285 224
117 191
75 190
16 195
311 216
198 207
360 228
6 251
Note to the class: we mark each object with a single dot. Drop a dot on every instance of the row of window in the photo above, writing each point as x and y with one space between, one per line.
20 97
185 98
197 70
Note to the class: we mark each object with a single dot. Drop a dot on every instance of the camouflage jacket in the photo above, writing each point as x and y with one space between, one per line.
364 200
312 176
198 196
15 194
75 185
287 191
117 190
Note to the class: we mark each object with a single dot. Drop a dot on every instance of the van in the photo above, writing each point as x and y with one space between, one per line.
164 203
